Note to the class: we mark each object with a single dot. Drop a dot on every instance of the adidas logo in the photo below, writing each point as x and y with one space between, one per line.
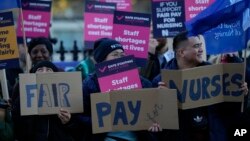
198 119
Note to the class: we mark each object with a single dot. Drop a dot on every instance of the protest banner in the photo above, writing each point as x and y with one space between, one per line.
121 5
132 30
9 55
3 85
98 21
46 93
118 74
36 19
133 110
194 7
207 85
168 17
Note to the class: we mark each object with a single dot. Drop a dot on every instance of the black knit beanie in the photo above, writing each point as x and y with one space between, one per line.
40 40
47 64
103 47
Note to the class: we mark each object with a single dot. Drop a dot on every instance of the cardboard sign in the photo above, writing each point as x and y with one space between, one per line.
122 5
132 30
168 17
9 55
3 84
98 21
46 93
194 7
118 74
36 16
208 85
132 110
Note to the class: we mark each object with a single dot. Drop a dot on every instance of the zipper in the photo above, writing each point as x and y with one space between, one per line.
48 130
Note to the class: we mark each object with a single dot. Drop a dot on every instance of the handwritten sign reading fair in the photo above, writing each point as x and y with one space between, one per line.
168 17
36 16
118 74
122 5
196 87
194 7
225 38
132 31
9 55
98 21
134 110
46 93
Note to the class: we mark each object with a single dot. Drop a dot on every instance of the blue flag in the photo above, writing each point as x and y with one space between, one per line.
225 38
222 26
220 11
9 4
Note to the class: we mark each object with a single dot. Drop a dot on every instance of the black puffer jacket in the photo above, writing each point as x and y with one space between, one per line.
191 127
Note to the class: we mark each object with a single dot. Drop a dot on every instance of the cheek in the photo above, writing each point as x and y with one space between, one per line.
46 55
110 58
188 53
193 52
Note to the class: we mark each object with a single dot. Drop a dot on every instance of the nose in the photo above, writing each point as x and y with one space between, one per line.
200 49
39 54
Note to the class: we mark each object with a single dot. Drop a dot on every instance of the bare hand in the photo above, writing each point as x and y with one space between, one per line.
64 115
152 45
162 85
155 128
244 88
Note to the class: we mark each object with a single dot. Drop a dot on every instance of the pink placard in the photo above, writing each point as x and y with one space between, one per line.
132 30
120 81
98 26
194 7
122 5
98 21
134 39
36 24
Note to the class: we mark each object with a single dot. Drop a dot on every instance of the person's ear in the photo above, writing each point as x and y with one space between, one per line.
180 52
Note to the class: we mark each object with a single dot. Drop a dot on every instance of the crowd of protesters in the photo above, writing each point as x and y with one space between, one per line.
215 120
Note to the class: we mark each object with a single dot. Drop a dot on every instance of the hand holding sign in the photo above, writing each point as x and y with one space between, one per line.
155 128
244 88
153 43
64 115
162 85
